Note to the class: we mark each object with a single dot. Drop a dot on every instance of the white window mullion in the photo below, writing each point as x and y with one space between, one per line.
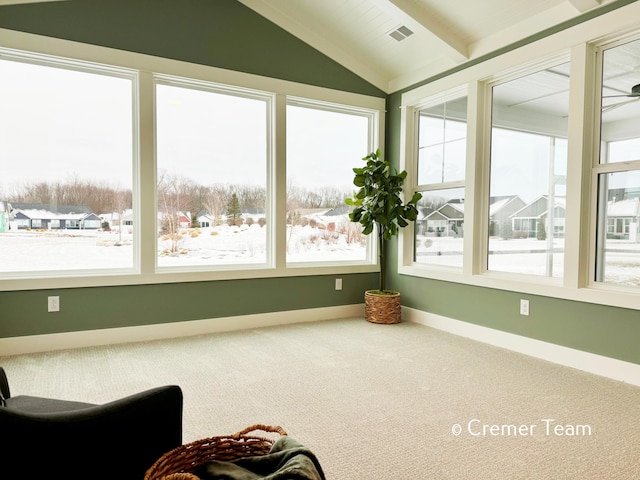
408 154
581 146
476 181
278 184
146 220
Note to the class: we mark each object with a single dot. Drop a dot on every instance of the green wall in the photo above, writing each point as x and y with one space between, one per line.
220 33
608 331
25 312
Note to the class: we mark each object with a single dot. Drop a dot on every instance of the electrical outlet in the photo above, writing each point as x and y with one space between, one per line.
338 284
53 304
524 307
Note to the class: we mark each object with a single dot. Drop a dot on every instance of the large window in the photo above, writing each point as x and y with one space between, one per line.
180 172
527 198
547 201
211 148
324 144
66 168
441 159
618 172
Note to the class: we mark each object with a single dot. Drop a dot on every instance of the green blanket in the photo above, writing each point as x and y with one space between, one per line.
287 460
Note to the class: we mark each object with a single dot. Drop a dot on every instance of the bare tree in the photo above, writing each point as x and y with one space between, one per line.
215 201
174 198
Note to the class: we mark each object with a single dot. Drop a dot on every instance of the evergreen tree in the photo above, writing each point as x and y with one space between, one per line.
233 208
542 231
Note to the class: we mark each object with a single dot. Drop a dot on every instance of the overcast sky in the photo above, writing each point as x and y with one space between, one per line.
58 123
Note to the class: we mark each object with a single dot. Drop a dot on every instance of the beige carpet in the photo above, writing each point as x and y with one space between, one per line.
372 401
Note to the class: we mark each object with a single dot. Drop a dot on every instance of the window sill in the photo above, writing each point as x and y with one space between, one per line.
602 294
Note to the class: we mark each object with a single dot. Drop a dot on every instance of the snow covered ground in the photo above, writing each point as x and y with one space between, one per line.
25 251
528 256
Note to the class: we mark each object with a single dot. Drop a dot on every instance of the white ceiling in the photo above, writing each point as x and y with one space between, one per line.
355 33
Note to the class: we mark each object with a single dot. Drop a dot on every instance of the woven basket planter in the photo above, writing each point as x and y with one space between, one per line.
182 461
384 309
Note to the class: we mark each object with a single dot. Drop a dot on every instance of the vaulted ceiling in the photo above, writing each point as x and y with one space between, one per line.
396 43
366 36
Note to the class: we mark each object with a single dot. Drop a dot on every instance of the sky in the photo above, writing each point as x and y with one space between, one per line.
59 123
63 123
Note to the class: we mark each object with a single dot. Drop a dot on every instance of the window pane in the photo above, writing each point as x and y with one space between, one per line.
618 237
618 243
620 126
528 174
439 228
212 164
66 169
323 147
442 133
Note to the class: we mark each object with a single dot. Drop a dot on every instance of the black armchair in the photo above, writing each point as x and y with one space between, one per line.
44 438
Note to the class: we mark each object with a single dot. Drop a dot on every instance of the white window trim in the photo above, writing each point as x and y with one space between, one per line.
373 142
147 67
581 197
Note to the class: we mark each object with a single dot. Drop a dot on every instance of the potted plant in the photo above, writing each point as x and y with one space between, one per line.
378 207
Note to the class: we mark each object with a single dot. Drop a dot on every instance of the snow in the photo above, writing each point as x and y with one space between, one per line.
28 251
529 256
37 250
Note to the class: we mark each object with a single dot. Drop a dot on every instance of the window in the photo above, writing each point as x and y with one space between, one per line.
547 201
441 159
211 174
527 200
66 156
324 144
618 171
114 176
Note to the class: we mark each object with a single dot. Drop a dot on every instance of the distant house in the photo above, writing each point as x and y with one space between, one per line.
529 219
53 217
184 219
116 219
446 221
204 219
623 219
501 208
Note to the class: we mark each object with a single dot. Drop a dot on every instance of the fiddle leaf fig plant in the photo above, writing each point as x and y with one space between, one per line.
378 204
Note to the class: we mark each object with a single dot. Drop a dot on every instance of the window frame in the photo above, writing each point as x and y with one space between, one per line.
96 68
577 45
598 168
223 89
412 174
147 68
373 116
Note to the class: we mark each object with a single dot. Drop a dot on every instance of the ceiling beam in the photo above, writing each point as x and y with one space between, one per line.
584 5
454 46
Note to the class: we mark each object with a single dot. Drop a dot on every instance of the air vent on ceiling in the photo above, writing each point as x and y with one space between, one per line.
400 33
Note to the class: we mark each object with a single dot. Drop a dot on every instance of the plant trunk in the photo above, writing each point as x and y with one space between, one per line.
381 257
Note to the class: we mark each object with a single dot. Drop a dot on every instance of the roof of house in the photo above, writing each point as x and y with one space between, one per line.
624 208
52 207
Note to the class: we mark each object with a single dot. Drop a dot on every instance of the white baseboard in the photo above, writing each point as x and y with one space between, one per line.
589 362
142 333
